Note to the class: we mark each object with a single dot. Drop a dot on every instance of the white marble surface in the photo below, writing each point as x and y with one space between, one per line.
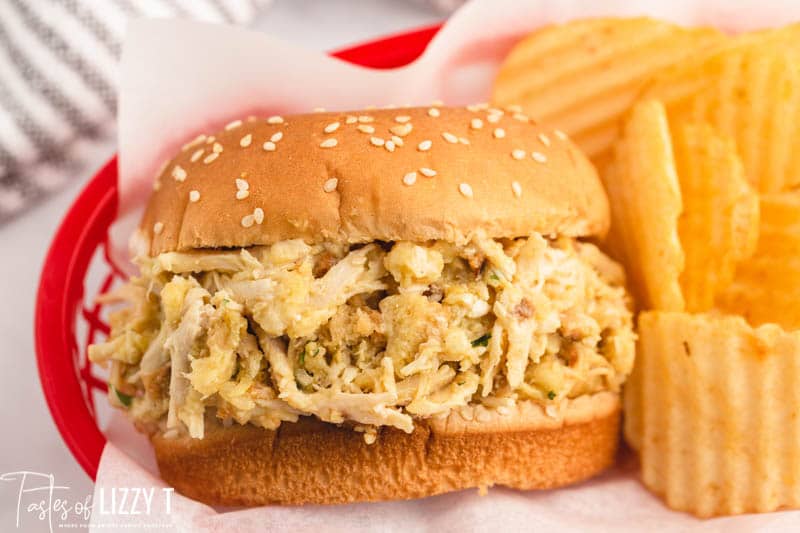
29 438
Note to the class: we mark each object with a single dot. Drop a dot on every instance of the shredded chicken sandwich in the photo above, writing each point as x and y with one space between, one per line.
388 290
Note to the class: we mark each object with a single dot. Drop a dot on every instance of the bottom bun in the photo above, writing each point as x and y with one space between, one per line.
316 462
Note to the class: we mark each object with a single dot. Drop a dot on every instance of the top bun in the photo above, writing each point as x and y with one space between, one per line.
411 174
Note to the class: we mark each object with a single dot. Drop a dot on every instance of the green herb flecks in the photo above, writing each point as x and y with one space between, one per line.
483 340
306 352
551 395
123 398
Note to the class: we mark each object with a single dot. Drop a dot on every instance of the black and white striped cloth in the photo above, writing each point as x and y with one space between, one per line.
58 78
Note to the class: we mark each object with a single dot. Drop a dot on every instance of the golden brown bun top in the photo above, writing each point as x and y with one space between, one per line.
341 177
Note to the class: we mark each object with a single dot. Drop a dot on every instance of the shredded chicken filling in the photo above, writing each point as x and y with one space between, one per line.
373 335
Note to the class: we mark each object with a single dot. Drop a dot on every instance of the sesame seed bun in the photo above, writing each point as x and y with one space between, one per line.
314 462
392 174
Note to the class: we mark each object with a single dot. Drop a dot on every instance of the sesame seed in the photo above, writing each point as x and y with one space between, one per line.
560 134
514 108
350 119
197 140
473 108
275 119
242 184
521 117
162 168
517 188
318 110
364 119
539 157
330 185
463 140
194 196
402 119
499 133
482 105
433 112
328 143
518 154
390 106
158 227
277 136
376 141
197 155
437 103
241 194
494 119
449 137
269 146
217 148
210 157
545 139
245 141
424 146
210 139
427 172
178 173
397 140
402 130
476 123
410 179
258 215
330 128
231 125
389 145
248 220
365 128
465 189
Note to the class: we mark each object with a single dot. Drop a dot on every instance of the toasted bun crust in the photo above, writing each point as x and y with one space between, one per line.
558 190
316 462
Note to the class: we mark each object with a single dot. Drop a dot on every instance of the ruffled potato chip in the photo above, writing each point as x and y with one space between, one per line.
766 287
715 413
583 76
719 224
645 198
748 90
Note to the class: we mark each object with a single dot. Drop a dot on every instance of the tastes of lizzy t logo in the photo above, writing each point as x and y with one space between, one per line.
40 500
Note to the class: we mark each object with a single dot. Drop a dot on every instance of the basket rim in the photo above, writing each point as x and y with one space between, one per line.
84 228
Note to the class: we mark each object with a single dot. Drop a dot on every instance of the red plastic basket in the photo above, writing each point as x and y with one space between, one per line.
80 244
